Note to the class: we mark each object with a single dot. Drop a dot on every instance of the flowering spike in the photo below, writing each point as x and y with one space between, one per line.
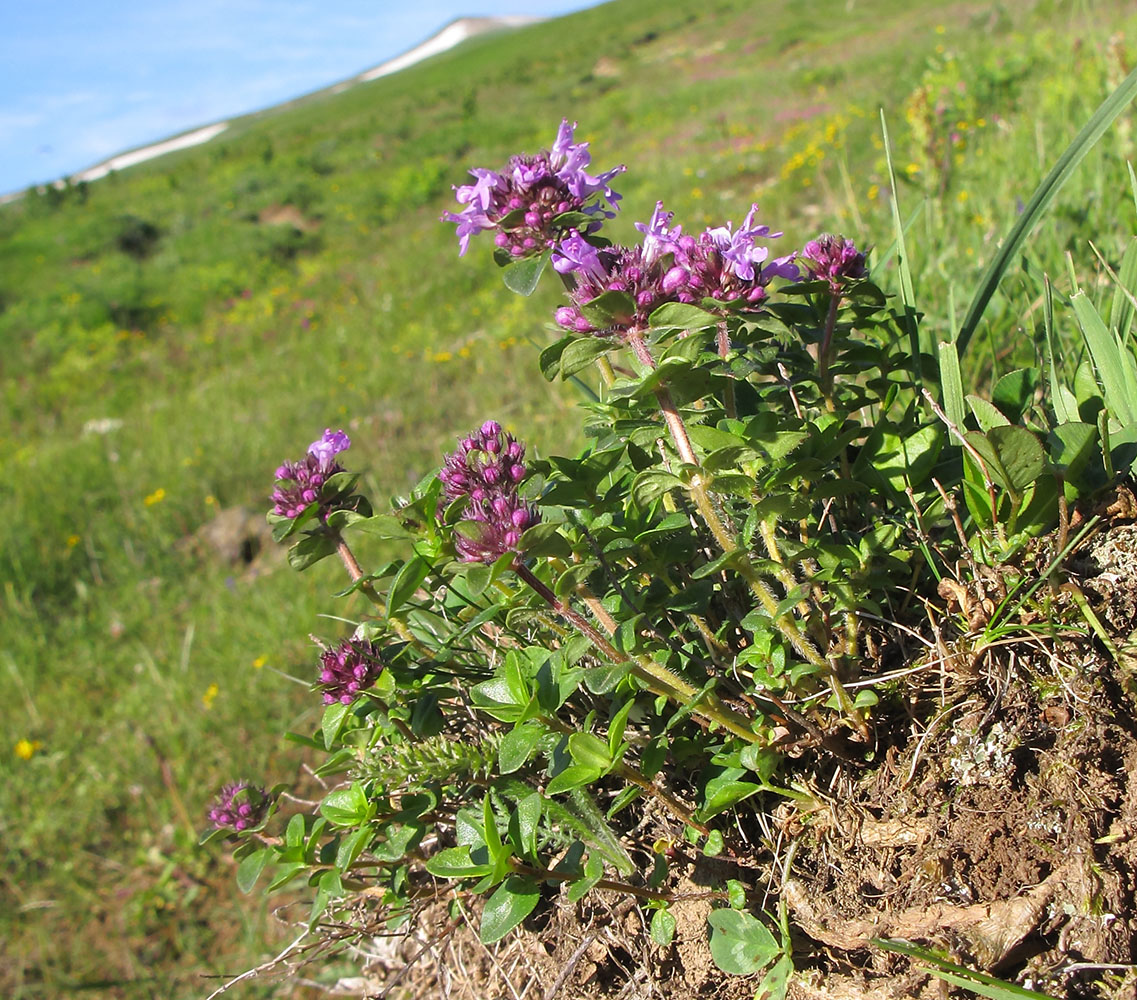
239 806
351 667
540 188
720 264
299 483
485 470
833 259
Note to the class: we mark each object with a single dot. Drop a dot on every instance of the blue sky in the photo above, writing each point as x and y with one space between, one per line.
81 81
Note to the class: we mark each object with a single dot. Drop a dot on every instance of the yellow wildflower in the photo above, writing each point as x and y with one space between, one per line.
156 497
72 541
26 749
211 693
259 662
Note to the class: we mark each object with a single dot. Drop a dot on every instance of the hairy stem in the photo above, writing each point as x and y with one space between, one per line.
658 679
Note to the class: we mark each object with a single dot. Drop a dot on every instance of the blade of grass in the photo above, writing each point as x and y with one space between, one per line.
1040 201
907 291
977 982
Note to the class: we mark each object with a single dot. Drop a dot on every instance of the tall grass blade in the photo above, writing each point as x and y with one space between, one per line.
1063 401
1040 201
1115 366
1121 312
907 291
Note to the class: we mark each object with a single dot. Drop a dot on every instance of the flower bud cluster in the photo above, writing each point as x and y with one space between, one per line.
486 470
668 267
239 806
833 259
523 202
349 668
299 483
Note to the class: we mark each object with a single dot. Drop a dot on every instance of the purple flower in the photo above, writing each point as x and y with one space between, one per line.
833 259
486 470
239 806
299 483
575 254
351 667
523 201
719 265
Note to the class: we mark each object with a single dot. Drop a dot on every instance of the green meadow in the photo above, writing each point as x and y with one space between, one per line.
170 334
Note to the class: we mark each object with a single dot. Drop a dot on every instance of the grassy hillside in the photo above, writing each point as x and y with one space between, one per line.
170 334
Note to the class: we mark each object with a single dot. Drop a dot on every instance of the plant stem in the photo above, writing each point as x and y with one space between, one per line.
351 564
545 875
701 497
728 401
658 679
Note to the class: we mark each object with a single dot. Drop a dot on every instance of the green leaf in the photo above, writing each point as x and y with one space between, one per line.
662 927
549 360
775 983
681 316
610 309
1114 105
589 751
352 846
582 351
332 723
651 484
1115 365
528 816
406 582
740 943
1071 446
382 526
593 873
345 806
1020 453
522 276
714 845
294 832
1014 392
309 551
573 776
513 901
726 790
987 414
517 747
250 868
735 894
455 862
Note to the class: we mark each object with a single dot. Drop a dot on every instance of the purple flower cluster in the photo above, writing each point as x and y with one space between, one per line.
487 468
523 201
239 806
720 264
833 259
299 483
349 668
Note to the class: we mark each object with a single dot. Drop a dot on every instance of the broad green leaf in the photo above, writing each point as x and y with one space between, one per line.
610 309
593 873
573 776
352 846
517 747
309 551
523 276
1014 392
333 721
406 582
582 351
662 927
528 817
455 862
740 943
681 316
650 484
590 751
513 901
1071 445
775 983
250 868
987 414
1020 453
